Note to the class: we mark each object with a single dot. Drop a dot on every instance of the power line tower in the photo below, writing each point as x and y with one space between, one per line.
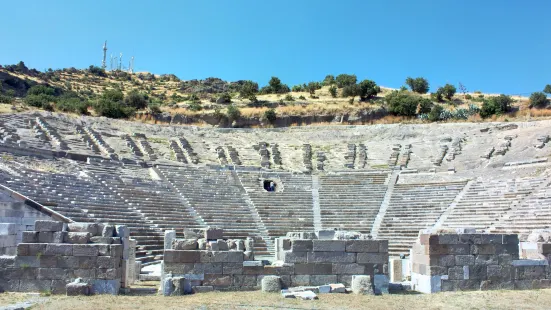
120 62
103 64
131 65
111 63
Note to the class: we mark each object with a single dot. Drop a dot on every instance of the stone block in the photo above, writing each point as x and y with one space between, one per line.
85 250
10 285
122 231
30 237
338 288
194 233
108 231
167 286
54 274
253 270
249 244
92 228
345 279
486 260
7 262
181 286
279 270
313 268
184 244
115 250
85 273
46 237
7 229
329 245
253 263
174 256
331 257
59 249
300 280
217 280
34 285
232 268
222 245
108 273
48 226
372 258
361 284
202 289
76 289
101 240
453 249
60 237
380 283
108 262
271 284
477 272
324 289
448 239
213 233
106 287
78 237
505 259
23 249
244 281
363 246
351 269
299 245
295 257
510 239
26 261
464 260
202 244
484 249
396 274
36 248
170 235
323 279
325 234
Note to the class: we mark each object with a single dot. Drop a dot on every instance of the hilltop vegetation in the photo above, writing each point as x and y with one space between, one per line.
118 94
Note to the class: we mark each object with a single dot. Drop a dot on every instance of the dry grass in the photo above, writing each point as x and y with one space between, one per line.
535 299
11 298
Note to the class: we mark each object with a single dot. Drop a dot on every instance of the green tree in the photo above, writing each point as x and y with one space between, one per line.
41 90
329 80
434 114
233 113
312 87
351 91
402 103
113 95
448 91
136 100
96 71
425 105
538 100
368 89
297 88
344 80
419 85
248 90
270 115
333 91
496 105
547 89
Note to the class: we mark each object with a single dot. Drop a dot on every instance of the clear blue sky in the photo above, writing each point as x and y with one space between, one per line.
501 46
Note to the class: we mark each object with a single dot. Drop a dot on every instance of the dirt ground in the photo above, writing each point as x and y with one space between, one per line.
536 299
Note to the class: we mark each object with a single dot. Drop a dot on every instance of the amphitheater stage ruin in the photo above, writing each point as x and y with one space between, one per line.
382 182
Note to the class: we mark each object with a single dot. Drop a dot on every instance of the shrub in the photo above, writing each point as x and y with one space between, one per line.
136 100
96 71
297 88
275 87
270 115
154 108
437 96
107 108
538 100
312 87
368 89
468 97
224 98
547 89
195 106
425 105
233 112
447 91
434 114
6 99
419 85
289 97
72 104
402 103
344 80
194 97
495 105
301 97
38 101
351 91
333 91
329 80
41 90
113 95
248 89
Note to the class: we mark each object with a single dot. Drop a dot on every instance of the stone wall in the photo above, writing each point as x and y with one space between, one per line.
8 238
56 253
216 264
13 211
446 261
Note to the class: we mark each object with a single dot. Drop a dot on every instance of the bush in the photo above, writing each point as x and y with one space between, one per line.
96 71
297 88
547 89
425 105
39 101
289 97
248 89
312 87
233 112
329 80
154 108
224 98
195 106
434 114
113 95
72 104
351 91
136 100
538 100
402 103
447 91
333 91
468 97
301 97
495 105
275 87
6 99
107 108
419 85
437 96
194 97
368 89
344 80
41 90
270 115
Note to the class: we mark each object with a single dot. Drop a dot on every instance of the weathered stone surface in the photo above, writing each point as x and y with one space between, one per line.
59 249
351 269
299 245
329 245
296 257
217 280
244 281
202 289
184 244
372 258
46 237
323 279
300 280
331 257
371 246
313 268
271 284
30 237
92 228
212 233
361 284
47 226
85 250
76 289
78 237
101 240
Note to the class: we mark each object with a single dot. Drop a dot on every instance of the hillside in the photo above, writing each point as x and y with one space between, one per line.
214 101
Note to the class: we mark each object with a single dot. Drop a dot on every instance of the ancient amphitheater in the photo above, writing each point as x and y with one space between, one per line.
389 181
